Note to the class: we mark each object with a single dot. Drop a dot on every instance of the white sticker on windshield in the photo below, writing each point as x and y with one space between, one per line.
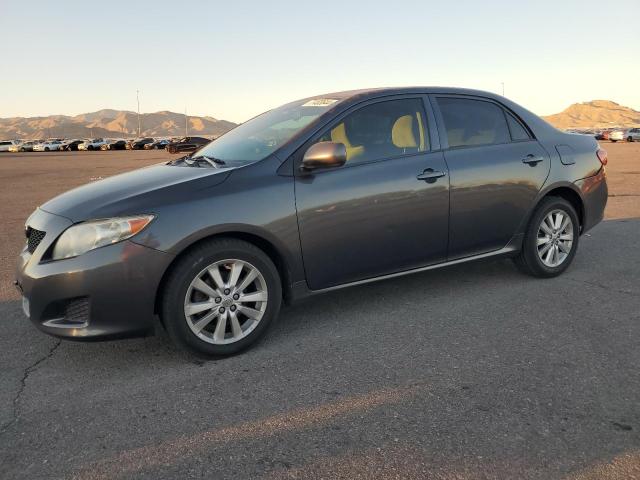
320 102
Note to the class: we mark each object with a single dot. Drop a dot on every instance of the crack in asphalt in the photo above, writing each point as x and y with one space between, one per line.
23 383
604 287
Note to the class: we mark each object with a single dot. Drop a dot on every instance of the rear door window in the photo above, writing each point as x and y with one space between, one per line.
471 122
518 132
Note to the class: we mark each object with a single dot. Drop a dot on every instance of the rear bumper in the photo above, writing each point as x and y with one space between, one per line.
105 293
595 193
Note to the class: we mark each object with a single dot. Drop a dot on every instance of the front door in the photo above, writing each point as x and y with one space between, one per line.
386 210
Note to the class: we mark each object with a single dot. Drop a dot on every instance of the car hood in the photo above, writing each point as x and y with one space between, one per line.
136 192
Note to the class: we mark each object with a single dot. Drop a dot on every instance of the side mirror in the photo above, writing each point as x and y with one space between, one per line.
324 155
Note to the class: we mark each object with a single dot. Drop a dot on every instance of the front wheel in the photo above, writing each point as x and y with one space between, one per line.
551 239
221 297
629 139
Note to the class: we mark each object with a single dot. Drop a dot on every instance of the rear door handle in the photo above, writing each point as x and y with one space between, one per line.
430 175
532 159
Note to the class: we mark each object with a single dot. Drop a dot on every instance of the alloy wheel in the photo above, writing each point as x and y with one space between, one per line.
225 301
555 238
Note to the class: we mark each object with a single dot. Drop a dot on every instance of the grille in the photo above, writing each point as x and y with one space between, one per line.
77 311
34 237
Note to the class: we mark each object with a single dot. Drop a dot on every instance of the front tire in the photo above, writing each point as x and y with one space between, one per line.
551 239
220 297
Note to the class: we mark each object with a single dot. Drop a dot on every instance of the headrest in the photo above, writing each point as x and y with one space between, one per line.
402 134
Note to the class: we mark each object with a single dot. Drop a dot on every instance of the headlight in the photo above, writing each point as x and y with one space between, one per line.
83 237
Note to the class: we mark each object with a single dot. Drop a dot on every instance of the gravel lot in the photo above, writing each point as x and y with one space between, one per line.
471 372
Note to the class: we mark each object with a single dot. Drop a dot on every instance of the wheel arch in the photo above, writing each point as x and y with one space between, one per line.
276 255
565 190
571 196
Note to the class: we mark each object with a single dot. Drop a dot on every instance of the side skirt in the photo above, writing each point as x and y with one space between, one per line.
301 290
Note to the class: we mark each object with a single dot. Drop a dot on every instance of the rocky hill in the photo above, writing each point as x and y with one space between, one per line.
595 114
110 123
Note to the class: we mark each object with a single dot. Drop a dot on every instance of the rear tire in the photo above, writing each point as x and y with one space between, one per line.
228 316
537 256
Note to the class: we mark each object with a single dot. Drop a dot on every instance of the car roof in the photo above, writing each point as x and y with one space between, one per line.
364 93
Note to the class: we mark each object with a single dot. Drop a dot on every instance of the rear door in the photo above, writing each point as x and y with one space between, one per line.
496 170
385 210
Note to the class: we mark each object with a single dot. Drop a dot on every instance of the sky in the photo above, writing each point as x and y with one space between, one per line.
235 59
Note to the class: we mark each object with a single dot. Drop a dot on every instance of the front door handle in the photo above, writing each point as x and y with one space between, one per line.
430 175
532 160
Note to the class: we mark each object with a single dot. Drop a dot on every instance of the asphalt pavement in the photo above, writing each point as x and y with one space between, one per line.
472 372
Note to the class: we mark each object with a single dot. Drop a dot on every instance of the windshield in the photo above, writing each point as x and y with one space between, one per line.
261 136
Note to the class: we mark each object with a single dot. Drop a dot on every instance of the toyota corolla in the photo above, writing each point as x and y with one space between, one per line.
319 194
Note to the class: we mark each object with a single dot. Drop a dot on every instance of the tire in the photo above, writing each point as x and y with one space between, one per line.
179 292
629 139
529 260
46 149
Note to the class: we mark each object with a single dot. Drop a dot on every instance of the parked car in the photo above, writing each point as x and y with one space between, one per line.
114 144
48 146
632 135
70 145
316 195
159 144
94 144
616 135
602 135
187 144
139 143
6 144
15 147
26 146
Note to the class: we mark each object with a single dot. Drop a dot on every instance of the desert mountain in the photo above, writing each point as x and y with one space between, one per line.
595 114
111 123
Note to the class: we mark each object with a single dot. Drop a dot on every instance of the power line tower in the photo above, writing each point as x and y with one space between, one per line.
138 99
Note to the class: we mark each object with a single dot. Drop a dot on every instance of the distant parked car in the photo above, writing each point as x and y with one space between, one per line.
15 147
159 144
632 135
48 146
139 143
70 145
187 144
6 144
94 144
27 146
114 145
615 135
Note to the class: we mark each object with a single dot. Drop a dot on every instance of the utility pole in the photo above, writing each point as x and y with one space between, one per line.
138 99
186 123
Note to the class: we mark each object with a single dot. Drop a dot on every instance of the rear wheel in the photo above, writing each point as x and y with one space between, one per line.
551 239
221 297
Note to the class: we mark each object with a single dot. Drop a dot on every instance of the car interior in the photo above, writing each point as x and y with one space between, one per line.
381 130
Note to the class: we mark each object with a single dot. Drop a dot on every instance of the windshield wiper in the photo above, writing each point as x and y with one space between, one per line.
214 162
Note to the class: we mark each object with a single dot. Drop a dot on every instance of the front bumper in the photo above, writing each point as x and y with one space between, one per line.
105 293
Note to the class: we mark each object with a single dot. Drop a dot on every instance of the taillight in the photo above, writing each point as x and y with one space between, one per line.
602 156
